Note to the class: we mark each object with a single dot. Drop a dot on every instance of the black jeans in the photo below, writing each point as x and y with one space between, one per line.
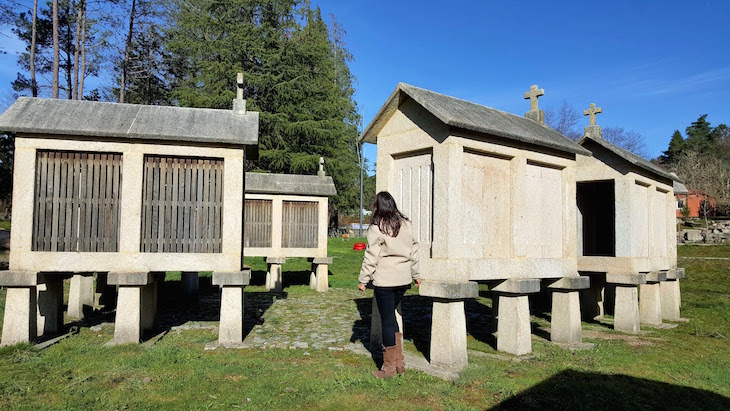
388 299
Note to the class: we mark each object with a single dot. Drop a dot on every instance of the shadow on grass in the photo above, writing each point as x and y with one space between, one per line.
175 310
578 390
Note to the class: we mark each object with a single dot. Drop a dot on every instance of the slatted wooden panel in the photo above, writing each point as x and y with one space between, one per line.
257 230
77 197
299 224
182 205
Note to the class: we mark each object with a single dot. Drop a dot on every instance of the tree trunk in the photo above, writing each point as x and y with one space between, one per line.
33 85
76 54
83 51
125 63
69 59
55 49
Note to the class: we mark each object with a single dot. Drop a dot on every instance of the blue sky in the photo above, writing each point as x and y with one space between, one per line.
653 66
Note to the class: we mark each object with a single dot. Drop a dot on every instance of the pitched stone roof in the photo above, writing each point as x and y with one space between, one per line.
265 183
113 120
470 116
677 185
629 157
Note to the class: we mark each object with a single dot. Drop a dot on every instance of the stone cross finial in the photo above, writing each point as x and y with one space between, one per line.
239 81
533 95
239 104
321 167
591 113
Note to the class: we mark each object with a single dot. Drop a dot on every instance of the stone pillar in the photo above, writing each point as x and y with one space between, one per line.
190 283
626 315
149 305
448 322
376 328
20 319
670 295
232 284
513 327
133 312
274 275
650 302
81 293
50 304
318 280
565 326
592 298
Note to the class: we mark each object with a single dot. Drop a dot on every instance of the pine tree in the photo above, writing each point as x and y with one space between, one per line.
676 145
699 135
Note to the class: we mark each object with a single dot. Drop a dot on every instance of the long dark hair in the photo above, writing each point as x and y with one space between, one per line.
386 215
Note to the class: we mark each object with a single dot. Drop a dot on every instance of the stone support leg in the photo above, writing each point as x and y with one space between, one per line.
190 283
670 300
513 329
626 315
274 278
565 324
106 294
19 321
592 299
50 305
322 278
149 306
81 294
448 334
128 322
230 330
376 328
650 304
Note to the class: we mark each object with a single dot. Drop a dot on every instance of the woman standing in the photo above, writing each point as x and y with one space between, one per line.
391 261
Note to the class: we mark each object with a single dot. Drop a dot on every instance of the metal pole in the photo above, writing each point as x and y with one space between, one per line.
362 164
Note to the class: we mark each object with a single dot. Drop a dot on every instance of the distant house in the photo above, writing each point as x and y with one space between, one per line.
681 195
700 203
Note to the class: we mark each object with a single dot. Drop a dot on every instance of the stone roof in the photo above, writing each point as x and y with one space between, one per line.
265 183
114 120
470 116
677 186
630 157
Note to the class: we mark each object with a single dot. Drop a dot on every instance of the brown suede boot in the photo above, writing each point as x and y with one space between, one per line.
400 365
388 368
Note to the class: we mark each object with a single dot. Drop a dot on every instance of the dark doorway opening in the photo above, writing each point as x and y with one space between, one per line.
597 207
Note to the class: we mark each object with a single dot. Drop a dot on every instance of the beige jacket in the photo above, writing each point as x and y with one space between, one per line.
390 261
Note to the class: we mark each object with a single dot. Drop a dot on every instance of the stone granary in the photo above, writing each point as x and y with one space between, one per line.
626 233
128 192
492 199
286 216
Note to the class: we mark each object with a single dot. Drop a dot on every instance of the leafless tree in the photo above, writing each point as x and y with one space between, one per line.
33 84
56 56
707 173
627 139
565 120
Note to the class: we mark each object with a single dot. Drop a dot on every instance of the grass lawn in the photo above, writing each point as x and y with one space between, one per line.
683 368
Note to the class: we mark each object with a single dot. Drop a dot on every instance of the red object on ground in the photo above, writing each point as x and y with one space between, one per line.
359 246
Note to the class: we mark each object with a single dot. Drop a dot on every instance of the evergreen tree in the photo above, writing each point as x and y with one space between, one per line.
699 135
676 145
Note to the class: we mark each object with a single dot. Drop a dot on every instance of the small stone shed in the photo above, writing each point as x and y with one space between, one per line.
287 215
627 234
127 192
492 199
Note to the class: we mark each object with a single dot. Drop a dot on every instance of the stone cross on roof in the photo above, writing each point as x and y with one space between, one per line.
591 113
533 95
239 104
593 130
321 167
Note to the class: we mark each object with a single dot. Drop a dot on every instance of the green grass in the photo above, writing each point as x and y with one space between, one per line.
4 224
702 250
683 368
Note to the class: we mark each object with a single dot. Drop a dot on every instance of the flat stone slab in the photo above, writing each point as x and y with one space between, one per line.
656 276
518 286
138 278
449 290
571 283
679 273
13 278
626 278
662 326
275 260
322 260
232 278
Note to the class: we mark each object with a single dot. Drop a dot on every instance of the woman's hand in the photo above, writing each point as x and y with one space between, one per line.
418 282
361 287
